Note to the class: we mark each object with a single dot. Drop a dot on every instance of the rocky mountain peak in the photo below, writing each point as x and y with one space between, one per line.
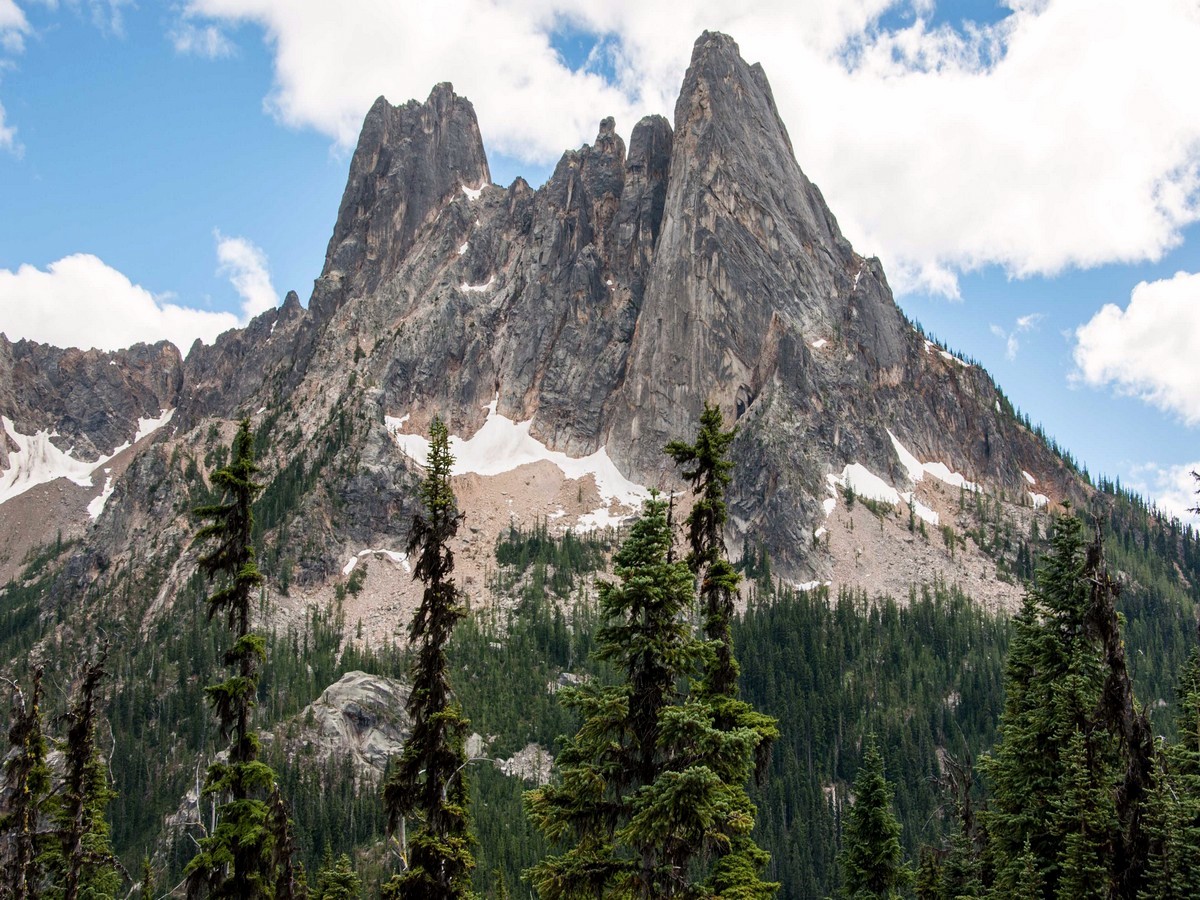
408 161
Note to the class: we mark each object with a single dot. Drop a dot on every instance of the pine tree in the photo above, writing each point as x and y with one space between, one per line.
28 779
239 858
707 466
428 785
872 860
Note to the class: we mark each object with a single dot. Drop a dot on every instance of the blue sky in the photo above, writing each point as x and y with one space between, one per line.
167 169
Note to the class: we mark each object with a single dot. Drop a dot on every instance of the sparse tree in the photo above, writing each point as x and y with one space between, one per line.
239 859
428 785
28 780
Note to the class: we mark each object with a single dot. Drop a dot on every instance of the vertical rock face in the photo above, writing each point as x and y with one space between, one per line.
410 159
90 399
749 255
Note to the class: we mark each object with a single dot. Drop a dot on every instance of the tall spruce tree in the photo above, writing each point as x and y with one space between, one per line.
28 779
1056 767
872 860
428 785
239 859
642 804
706 464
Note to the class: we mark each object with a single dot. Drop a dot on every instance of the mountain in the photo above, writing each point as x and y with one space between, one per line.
603 309
565 334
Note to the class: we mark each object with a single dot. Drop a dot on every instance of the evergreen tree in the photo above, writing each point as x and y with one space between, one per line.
428 785
146 891
1056 770
238 860
871 859
642 799
28 779
707 466
1173 809
81 863
338 881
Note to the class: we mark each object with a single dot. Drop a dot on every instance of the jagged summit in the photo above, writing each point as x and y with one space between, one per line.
408 161
696 264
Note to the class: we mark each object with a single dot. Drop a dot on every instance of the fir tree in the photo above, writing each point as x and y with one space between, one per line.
337 881
28 780
82 863
428 785
1053 682
707 466
239 858
871 858
642 800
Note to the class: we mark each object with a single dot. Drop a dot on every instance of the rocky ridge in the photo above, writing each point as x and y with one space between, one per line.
598 313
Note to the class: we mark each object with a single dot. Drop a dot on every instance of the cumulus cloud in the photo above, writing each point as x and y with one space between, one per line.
1149 349
1064 135
207 41
246 267
1172 488
79 301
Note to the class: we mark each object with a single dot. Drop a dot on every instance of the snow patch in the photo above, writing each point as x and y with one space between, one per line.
147 427
502 445
37 461
463 249
819 533
476 288
864 483
830 504
473 193
1029 477
810 585
920 510
400 559
998 406
918 470
818 343
1039 500
97 505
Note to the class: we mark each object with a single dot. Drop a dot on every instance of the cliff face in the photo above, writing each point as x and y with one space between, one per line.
697 264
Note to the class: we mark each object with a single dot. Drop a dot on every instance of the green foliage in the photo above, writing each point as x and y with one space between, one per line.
643 797
337 880
924 677
28 778
707 466
428 785
240 857
871 858
81 864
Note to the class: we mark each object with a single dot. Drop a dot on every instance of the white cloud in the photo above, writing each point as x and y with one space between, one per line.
207 41
1012 341
1172 488
13 27
246 267
81 302
1151 348
1065 135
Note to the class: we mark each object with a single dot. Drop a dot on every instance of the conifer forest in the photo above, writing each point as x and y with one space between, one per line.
804 745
